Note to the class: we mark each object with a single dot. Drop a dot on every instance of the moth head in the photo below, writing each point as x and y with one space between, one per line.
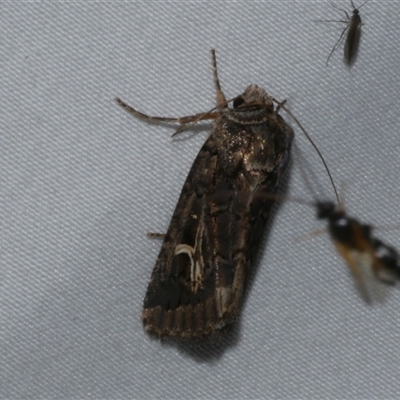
253 95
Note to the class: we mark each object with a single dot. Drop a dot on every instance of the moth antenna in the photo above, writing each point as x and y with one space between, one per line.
281 105
156 235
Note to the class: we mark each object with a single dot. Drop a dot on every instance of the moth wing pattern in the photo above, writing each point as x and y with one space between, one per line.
198 281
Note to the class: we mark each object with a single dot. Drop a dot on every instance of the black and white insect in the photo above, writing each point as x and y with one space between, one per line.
197 284
374 265
370 260
353 37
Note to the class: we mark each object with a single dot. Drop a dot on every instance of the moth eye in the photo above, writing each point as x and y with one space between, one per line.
238 101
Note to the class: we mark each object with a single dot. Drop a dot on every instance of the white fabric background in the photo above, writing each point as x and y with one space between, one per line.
82 181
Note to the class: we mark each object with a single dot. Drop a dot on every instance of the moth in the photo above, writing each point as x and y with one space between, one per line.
369 259
197 285
353 30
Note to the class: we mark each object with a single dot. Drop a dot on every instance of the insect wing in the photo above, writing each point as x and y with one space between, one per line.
359 263
373 264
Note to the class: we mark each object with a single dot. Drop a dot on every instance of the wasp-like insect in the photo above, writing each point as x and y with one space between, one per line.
368 258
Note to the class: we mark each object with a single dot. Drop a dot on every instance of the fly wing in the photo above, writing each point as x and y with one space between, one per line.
198 281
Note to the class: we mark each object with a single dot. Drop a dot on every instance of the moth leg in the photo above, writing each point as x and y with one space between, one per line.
220 97
156 235
188 121
180 120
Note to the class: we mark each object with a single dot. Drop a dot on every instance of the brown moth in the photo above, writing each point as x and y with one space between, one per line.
197 285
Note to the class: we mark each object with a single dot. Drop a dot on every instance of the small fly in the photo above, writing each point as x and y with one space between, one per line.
353 30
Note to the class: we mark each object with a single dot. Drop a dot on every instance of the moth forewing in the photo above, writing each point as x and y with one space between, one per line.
198 282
